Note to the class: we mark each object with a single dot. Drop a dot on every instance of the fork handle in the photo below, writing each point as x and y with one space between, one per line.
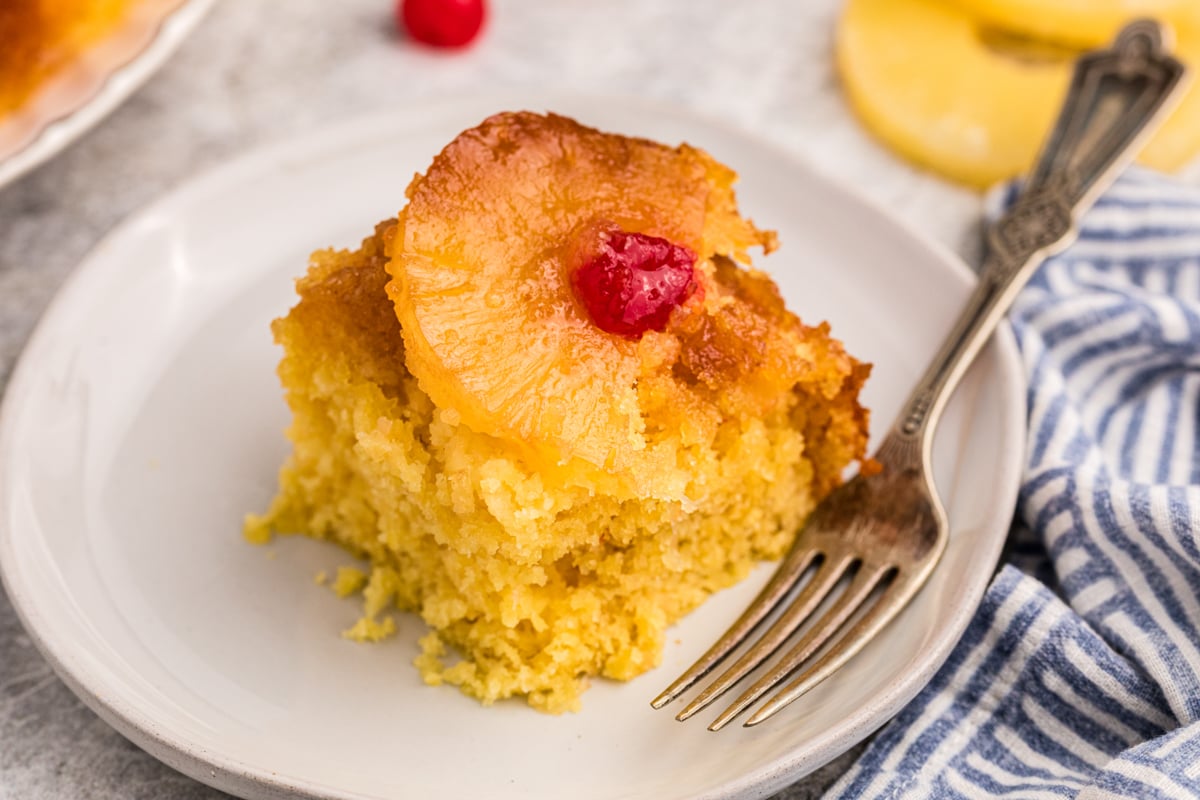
1117 98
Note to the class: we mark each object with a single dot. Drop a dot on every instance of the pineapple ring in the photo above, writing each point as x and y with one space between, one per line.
492 330
922 77
1081 23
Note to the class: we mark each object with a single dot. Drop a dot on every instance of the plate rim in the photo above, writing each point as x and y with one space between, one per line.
232 774
57 133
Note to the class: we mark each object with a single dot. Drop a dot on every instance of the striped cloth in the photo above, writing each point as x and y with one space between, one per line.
1079 676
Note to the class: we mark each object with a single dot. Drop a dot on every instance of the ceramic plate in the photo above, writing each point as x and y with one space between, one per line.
145 419
96 82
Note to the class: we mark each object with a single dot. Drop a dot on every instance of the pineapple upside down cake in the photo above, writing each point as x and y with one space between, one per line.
552 408
40 37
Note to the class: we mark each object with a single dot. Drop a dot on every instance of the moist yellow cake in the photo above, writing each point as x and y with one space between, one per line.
548 468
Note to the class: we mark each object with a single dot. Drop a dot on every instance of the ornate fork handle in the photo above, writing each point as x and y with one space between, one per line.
1114 96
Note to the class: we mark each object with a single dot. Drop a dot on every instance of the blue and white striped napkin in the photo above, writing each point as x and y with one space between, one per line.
1079 676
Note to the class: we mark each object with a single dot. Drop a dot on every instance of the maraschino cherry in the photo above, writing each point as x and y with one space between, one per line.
631 282
442 23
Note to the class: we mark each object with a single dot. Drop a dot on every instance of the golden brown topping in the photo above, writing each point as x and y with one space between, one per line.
482 265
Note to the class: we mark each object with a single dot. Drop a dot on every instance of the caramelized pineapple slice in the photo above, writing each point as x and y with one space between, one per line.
967 101
482 284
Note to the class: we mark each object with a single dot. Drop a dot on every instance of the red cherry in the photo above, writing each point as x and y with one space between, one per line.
632 282
442 23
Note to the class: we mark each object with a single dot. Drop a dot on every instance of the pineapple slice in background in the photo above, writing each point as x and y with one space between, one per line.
974 102
1078 23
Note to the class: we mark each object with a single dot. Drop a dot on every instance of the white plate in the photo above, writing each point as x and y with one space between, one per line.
97 81
145 418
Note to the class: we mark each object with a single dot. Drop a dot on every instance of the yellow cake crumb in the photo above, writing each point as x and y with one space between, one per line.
368 629
256 528
348 581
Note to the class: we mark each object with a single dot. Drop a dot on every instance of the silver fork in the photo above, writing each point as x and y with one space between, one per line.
879 536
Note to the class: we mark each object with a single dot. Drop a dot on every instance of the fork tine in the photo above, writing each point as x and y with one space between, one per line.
845 648
859 590
795 564
817 589
902 589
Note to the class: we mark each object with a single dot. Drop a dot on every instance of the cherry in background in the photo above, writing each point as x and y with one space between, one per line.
442 23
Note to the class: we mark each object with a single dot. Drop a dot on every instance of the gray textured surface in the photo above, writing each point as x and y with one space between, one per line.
258 71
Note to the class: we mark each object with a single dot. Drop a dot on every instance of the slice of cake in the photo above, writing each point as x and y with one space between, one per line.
551 408
39 38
